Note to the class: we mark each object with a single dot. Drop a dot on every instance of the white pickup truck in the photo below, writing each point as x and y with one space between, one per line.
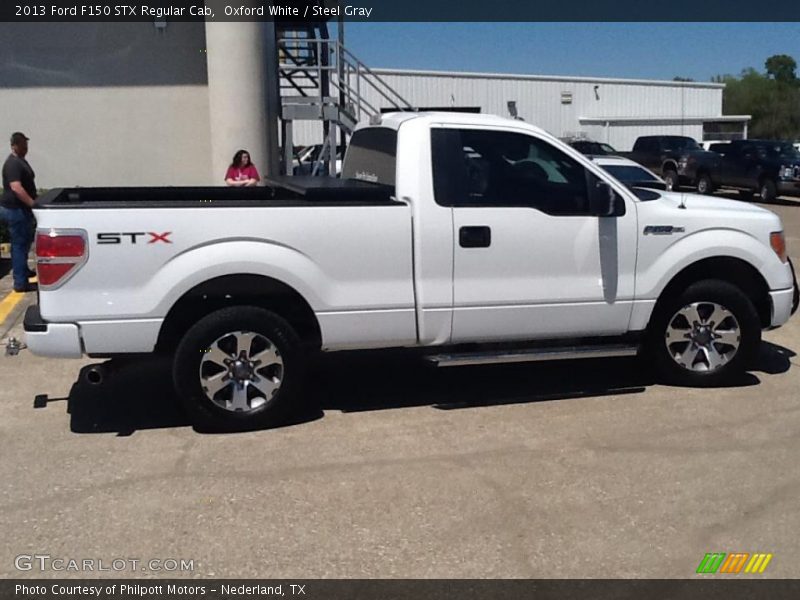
472 238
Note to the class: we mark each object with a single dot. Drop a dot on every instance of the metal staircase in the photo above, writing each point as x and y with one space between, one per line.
321 80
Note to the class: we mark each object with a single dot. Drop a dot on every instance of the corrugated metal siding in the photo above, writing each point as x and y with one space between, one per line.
539 101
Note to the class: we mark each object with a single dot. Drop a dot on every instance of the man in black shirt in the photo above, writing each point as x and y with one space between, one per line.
19 193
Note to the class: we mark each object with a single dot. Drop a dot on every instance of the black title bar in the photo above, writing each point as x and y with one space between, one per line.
12 11
705 588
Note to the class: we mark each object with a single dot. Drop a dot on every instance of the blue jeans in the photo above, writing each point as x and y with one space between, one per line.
20 222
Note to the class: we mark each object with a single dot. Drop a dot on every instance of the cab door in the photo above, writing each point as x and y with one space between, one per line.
529 260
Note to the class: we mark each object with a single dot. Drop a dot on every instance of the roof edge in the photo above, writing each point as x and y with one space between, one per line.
652 119
564 78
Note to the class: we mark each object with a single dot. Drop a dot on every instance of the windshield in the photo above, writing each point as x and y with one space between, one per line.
637 178
629 173
593 148
680 144
778 150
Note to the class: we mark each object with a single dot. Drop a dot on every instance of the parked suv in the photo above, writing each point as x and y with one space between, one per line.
770 168
676 158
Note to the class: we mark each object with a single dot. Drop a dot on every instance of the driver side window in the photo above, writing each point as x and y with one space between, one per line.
498 168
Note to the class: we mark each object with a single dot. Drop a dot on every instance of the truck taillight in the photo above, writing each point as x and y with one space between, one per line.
59 255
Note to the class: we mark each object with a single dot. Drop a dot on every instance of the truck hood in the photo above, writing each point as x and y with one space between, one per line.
712 204
703 213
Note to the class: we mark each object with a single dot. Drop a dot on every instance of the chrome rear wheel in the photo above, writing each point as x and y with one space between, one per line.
241 371
239 368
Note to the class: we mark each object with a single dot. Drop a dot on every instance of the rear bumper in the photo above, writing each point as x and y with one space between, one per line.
62 340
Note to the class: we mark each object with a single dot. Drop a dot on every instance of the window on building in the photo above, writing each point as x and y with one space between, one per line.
723 130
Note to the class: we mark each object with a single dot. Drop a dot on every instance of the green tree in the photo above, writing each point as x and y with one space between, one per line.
782 67
772 98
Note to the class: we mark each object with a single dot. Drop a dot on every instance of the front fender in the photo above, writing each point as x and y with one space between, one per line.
661 258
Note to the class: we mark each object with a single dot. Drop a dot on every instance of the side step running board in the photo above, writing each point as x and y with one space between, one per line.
531 355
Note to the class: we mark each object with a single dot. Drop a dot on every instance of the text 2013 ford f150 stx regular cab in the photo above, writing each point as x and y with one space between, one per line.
473 238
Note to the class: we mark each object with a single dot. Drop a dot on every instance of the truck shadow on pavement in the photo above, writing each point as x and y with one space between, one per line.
137 395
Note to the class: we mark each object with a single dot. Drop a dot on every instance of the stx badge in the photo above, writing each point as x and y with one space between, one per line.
117 238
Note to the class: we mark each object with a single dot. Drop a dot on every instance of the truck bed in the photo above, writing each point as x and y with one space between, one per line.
279 191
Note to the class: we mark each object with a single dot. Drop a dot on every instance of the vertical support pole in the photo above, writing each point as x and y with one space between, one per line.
324 87
288 146
332 152
345 99
273 99
358 88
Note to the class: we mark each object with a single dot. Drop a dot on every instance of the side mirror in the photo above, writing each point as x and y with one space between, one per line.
603 200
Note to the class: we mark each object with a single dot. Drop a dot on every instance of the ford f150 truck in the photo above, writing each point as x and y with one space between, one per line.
472 238
676 158
770 168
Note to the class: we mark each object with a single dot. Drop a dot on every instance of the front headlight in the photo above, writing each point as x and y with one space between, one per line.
786 171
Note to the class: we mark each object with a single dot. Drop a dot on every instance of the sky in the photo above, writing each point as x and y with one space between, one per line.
627 50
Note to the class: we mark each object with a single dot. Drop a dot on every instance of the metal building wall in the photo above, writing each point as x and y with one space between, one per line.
539 101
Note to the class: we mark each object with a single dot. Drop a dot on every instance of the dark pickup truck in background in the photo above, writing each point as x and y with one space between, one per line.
769 168
678 159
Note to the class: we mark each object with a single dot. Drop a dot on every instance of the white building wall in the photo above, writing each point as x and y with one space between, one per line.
113 136
108 104
538 101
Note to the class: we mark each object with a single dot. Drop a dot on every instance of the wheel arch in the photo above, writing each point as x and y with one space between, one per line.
733 270
669 165
240 289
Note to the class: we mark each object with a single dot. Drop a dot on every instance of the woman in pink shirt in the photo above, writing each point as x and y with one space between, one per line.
242 172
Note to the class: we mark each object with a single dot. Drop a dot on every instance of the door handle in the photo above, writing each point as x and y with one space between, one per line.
475 236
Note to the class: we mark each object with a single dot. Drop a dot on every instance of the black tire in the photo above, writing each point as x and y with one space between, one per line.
662 329
226 327
768 190
671 179
704 184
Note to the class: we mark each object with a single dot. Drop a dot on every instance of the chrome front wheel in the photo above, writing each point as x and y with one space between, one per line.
703 336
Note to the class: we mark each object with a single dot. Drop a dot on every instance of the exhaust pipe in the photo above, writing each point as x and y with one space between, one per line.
95 375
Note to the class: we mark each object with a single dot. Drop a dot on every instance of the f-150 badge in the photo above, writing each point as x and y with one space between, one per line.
662 230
